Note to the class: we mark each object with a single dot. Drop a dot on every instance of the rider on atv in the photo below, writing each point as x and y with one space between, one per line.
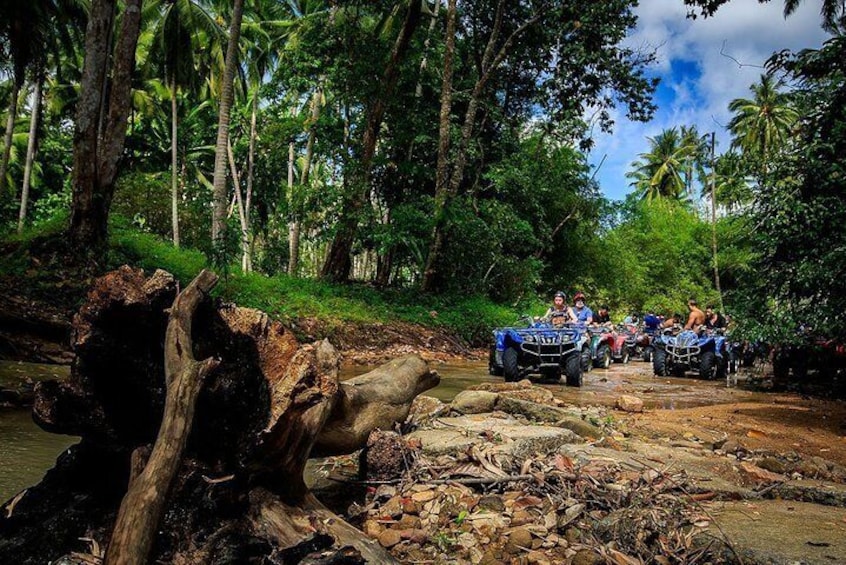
602 316
584 315
696 317
559 313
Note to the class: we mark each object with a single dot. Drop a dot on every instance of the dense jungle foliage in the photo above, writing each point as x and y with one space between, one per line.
435 146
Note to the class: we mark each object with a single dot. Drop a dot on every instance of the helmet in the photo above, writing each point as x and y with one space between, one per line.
579 296
560 293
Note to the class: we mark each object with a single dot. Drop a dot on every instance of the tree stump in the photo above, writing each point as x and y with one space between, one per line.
264 405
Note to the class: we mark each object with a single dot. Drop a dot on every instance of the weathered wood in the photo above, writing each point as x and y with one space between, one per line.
287 526
143 504
269 405
378 399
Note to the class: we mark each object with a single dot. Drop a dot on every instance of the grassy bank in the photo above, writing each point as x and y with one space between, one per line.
286 298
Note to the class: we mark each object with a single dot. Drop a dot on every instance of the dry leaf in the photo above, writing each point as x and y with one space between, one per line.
563 463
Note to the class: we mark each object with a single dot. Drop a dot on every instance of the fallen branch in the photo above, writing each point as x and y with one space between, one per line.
143 504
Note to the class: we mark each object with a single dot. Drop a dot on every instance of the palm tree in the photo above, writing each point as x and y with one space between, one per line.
831 11
662 171
762 124
177 32
220 151
731 186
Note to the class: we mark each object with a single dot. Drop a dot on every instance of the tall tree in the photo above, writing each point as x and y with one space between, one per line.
31 148
20 26
661 172
180 30
220 152
762 124
555 55
337 265
101 121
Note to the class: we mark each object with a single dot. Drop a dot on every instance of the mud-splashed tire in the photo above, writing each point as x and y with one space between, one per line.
624 357
510 364
708 365
603 357
585 360
647 353
573 370
659 363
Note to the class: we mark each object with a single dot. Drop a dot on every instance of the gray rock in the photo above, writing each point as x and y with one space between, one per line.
474 401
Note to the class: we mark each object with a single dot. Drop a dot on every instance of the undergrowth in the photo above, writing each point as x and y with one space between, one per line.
470 318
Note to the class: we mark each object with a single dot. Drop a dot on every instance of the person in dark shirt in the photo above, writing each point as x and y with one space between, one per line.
713 319
602 316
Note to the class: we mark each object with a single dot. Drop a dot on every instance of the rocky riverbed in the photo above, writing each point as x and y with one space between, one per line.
509 473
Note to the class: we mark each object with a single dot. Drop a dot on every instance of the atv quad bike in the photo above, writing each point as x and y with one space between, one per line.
705 353
539 349
607 346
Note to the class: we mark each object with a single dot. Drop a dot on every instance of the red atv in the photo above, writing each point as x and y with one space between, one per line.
606 345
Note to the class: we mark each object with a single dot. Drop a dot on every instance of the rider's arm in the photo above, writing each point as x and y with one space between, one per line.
572 314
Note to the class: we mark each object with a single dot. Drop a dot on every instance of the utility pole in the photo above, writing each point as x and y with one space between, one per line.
714 221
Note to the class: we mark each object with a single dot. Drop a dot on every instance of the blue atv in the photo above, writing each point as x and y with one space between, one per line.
539 349
705 353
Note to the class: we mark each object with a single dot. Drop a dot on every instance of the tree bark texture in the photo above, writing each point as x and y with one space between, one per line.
337 265
266 406
96 153
219 181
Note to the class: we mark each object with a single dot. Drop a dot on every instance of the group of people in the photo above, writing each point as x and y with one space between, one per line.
560 313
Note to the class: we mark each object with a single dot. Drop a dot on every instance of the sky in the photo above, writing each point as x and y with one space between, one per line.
703 65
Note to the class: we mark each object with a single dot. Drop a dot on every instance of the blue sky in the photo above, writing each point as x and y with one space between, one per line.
703 65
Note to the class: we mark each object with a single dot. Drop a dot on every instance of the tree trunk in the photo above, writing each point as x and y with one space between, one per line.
31 148
442 171
491 59
95 156
268 405
142 507
10 130
293 223
337 264
251 157
220 157
174 176
246 262
293 262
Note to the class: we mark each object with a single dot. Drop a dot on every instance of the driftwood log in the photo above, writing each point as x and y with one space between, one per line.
207 456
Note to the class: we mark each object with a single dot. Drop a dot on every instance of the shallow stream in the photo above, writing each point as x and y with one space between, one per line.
27 452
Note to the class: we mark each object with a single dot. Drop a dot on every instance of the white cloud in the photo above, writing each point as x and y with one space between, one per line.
743 30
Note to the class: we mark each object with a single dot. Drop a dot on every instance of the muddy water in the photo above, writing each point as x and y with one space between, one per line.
601 387
27 452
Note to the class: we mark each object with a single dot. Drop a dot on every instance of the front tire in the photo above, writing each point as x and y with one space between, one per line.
603 357
510 364
708 365
573 370
624 357
659 363
647 354
585 359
